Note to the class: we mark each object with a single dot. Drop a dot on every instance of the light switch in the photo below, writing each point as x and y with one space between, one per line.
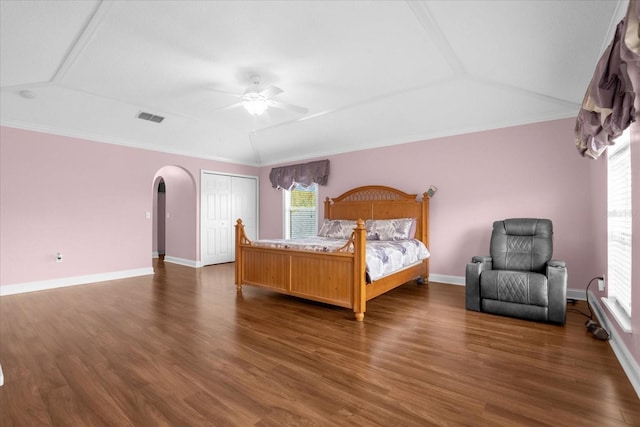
147 215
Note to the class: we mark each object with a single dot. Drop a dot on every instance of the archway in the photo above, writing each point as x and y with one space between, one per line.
179 213
159 221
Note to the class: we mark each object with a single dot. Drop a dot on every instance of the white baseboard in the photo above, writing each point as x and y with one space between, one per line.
182 261
577 294
72 281
155 254
449 280
628 363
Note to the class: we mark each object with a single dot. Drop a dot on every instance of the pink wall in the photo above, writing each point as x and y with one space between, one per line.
88 200
522 171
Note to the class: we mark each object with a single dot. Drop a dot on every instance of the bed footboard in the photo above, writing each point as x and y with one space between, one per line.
336 278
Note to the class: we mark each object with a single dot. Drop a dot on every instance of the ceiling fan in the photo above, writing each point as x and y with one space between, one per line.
256 100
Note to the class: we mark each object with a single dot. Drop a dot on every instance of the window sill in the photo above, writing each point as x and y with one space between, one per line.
624 321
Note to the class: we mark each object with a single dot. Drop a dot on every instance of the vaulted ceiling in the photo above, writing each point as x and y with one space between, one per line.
370 73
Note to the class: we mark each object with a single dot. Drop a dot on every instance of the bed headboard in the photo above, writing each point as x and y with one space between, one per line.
380 202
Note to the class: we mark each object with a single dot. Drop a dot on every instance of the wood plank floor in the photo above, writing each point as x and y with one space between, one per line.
181 348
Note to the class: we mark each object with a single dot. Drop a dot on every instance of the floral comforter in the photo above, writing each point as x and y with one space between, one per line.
383 257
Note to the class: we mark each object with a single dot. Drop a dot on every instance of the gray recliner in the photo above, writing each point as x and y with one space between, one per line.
519 278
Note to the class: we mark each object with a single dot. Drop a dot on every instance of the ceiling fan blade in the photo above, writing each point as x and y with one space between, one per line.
227 93
229 107
290 107
271 91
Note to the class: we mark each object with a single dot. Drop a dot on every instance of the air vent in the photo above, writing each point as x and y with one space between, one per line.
150 117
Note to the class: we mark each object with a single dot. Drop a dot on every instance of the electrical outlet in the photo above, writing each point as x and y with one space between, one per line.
601 284
58 257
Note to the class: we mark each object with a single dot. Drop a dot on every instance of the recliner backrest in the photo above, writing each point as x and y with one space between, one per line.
522 244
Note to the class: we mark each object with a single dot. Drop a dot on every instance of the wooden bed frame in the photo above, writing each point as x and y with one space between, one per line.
336 278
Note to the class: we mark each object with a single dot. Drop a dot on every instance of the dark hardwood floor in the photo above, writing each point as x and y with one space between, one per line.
181 348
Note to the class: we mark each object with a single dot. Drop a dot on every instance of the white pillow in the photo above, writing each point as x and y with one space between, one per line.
337 228
390 229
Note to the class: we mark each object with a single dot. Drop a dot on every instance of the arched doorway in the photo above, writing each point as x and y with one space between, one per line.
160 219
175 225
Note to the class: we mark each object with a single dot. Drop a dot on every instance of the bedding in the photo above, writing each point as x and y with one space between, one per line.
383 257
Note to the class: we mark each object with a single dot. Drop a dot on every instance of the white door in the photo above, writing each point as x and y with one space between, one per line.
225 198
245 205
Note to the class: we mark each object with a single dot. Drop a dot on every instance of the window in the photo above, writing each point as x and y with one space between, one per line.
619 229
301 211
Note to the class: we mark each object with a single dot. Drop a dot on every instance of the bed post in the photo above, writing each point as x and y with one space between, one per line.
239 234
359 270
327 208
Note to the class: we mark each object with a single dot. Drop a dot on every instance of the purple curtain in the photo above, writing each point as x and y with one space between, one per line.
304 174
608 105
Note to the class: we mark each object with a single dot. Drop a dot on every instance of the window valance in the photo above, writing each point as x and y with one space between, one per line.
608 106
304 174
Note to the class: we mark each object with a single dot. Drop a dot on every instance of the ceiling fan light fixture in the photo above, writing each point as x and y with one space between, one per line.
255 107
256 99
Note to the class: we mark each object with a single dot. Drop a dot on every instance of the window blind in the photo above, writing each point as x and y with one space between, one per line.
301 211
619 221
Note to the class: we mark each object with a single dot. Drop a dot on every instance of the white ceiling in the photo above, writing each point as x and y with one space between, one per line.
371 73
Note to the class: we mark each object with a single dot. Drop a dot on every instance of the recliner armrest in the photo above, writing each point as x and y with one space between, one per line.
474 269
481 258
557 263
557 280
